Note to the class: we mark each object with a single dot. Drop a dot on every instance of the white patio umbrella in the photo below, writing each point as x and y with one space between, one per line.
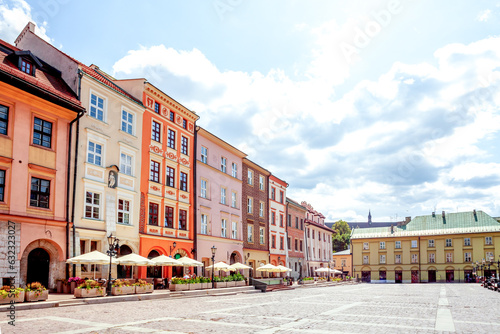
134 260
283 269
238 266
269 268
94 257
164 260
188 262
219 266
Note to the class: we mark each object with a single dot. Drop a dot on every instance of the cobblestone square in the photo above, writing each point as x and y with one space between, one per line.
363 308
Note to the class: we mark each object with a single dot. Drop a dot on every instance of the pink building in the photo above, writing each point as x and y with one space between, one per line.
218 199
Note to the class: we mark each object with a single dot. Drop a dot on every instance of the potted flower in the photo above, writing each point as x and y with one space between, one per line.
178 284
205 282
121 287
141 286
89 288
230 281
35 291
74 282
195 283
239 279
10 294
220 282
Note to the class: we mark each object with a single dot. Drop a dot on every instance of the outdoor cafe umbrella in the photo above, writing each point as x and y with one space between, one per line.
269 268
94 257
283 269
164 260
238 266
134 260
188 262
219 266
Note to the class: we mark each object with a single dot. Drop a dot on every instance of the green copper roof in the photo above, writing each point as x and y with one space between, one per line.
460 222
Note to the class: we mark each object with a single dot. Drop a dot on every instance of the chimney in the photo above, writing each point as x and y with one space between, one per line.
407 220
392 228
475 214
444 217
433 214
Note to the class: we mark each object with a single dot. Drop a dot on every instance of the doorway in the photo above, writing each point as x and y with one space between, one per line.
399 276
124 271
450 276
38 267
432 276
414 276
155 271
366 276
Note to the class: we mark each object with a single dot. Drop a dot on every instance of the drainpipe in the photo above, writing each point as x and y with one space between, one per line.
195 225
77 140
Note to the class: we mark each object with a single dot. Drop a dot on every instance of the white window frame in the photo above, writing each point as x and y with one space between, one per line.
234 170
204 154
223 195
467 242
414 258
397 259
234 230
261 182
223 228
204 224
125 213
249 205
414 244
250 233
128 125
125 167
488 241
92 205
250 177
94 153
431 243
382 258
432 258
262 236
261 209
489 255
234 199
223 164
366 259
449 257
397 243
104 107
203 188
382 245
366 245
468 257
448 243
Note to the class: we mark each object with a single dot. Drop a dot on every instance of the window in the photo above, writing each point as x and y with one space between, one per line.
365 259
273 193
365 245
261 182
489 256
431 243
171 139
382 245
448 242
96 107
223 162
2 185
273 241
234 202
296 245
223 195
261 209
40 193
262 238
157 107
170 177
301 245
92 205
184 145
250 233
488 241
249 205
234 230
466 241
234 170
289 243
273 218
297 222
42 132
169 217
449 257
184 123
414 244
26 66
313 233
432 258
289 220
182 220
204 224
204 154
94 155
126 164
382 259
281 220
223 228
172 116
4 119
342 263
302 224
184 178
382 275
281 243
123 211
467 257
282 195
398 258
414 258
250 177
154 173
153 214
127 122
203 187
156 131
398 245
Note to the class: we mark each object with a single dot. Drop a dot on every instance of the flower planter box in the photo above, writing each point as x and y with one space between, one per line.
88 293
144 289
18 299
206 285
239 283
308 282
33 296
122 290
178 287
220 285
231 284
194 286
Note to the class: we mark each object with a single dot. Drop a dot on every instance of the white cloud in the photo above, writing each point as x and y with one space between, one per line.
484 15
14 15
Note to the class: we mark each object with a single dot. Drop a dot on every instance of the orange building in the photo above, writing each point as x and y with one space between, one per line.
166 221
36 111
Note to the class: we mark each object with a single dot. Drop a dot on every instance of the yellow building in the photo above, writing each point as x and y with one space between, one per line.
342 261
447 247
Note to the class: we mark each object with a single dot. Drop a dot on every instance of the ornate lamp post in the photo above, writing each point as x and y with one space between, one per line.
214 249
113 244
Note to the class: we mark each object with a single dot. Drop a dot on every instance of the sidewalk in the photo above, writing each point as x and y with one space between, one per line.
60 300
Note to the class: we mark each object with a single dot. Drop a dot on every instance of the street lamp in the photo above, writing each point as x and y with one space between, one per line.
112 251
213 264
172 248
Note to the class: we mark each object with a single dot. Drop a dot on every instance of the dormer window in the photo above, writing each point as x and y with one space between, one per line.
26 67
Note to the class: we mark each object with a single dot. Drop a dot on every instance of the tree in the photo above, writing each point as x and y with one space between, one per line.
342 236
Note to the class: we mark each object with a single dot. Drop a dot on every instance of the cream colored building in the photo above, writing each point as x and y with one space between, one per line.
342 261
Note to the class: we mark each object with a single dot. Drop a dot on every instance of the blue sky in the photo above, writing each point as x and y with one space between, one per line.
384 105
